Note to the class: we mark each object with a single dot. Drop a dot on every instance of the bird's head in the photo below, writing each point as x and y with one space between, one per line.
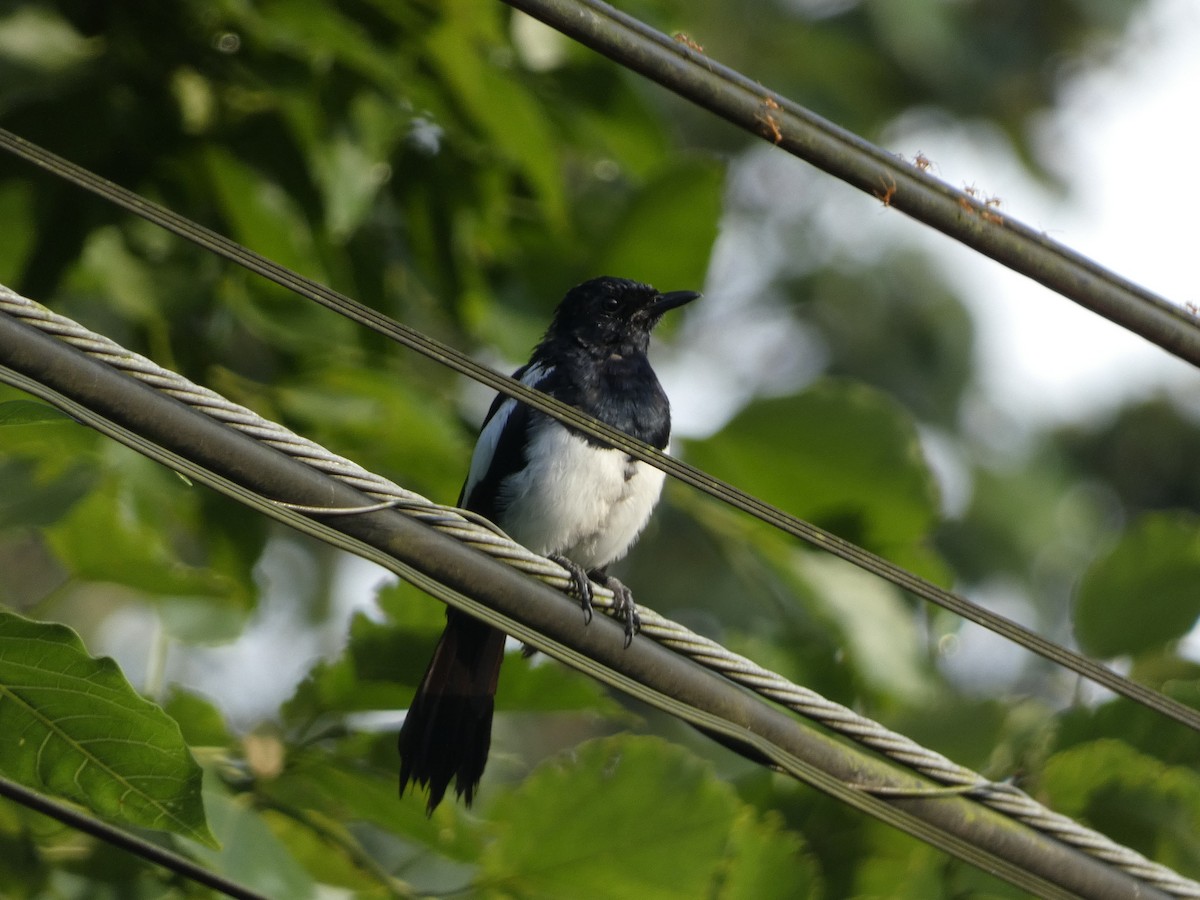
612 316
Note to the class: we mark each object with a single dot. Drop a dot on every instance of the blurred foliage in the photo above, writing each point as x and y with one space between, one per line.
458 167
896 326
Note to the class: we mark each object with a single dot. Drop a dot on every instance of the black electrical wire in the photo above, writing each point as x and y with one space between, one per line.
209 453
900 185
459 362
131 843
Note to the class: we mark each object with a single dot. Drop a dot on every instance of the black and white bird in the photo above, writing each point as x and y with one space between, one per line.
556 491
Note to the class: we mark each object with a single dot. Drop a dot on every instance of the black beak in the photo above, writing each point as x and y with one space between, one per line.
670 300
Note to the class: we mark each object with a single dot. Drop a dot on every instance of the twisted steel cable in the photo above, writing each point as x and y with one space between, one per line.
448 356
484 536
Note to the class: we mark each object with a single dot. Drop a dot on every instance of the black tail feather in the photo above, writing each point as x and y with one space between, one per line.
448 729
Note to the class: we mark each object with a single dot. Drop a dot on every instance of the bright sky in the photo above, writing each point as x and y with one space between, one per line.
1126 143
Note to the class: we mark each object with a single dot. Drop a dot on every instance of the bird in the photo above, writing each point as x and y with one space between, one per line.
557 491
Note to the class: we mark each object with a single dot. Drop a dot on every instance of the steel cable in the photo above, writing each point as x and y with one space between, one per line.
464 365
774 118
1004 798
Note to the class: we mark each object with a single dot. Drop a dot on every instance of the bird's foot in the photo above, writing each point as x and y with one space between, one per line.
581 587
623 604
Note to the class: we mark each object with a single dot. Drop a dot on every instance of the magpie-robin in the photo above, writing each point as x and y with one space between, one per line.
558 492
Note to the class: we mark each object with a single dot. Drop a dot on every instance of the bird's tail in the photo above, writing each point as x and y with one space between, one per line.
448 729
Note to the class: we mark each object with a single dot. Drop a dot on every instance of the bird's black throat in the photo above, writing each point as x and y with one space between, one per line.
619 390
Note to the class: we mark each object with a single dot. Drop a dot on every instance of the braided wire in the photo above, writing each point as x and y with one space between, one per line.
571 416
486 537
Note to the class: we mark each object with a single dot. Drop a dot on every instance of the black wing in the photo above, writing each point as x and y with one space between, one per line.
500 448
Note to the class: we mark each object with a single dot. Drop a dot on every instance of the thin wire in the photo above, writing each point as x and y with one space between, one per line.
1001 797
464 365
118 837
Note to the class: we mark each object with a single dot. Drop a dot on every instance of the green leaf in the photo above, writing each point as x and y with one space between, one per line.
404 429
894 865
108 264
379 670
22 874
684 201
249 852
29 412
314 844
466 48
842 455
1133 798
382 662
199 719
352 168
766 862
42 40
1142 593
1137 726
40 52
152 545
262 215
538 683
75 728
356 783
46 463
623 817
320 36
877 626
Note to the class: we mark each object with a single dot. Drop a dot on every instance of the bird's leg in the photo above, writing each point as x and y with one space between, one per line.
581 587
623 603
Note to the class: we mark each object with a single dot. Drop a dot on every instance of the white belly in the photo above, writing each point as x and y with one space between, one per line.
584 502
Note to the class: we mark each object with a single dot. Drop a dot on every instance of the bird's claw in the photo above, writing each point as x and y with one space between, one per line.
581 586
624 607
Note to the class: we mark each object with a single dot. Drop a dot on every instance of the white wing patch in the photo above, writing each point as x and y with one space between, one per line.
489 437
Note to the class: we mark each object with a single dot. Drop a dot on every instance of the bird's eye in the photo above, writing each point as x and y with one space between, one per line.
611 304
